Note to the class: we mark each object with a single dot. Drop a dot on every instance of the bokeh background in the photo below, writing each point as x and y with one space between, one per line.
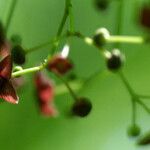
21 126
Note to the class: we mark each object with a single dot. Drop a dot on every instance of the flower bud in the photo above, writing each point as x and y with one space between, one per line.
101 4
82 107
100 37
134 130
18 55
59 65
114 60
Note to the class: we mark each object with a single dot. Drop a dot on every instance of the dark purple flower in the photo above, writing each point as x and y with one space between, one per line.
45 94
59 65
7 91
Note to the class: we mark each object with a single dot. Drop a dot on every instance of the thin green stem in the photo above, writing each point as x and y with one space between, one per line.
61 26
72 93
126 83
144 96
89 41
39 46
10 14
133 111
143 105
64 19
119 20
26 71
30 70
71 17
75 85
126 39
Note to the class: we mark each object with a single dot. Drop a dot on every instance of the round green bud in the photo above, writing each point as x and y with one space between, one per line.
134 130
18 55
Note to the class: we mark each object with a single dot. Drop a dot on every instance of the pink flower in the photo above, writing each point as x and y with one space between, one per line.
45 94
7 91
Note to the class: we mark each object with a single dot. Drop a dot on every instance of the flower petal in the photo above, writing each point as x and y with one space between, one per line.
7 92
6 67
5 50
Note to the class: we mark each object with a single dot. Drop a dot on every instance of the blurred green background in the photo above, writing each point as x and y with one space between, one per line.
21 126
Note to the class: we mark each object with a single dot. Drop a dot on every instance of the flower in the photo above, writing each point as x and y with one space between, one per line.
60 64
5 49
7 91
45 94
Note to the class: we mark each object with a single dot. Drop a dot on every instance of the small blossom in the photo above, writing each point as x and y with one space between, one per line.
45 87
45 94
7 91
60 64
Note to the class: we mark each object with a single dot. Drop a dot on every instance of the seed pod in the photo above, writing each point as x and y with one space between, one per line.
101 4
115 60
18 55
82 107
133 130
100 37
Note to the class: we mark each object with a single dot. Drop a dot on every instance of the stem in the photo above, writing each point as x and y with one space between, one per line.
126 83
63 21
133 111
143 105
75 85
89 41
62 24
39 46
28 70
71 17
119 20
144 96
72 93
126 39
10 14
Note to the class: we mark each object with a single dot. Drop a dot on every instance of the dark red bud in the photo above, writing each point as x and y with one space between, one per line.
144 17
59 65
